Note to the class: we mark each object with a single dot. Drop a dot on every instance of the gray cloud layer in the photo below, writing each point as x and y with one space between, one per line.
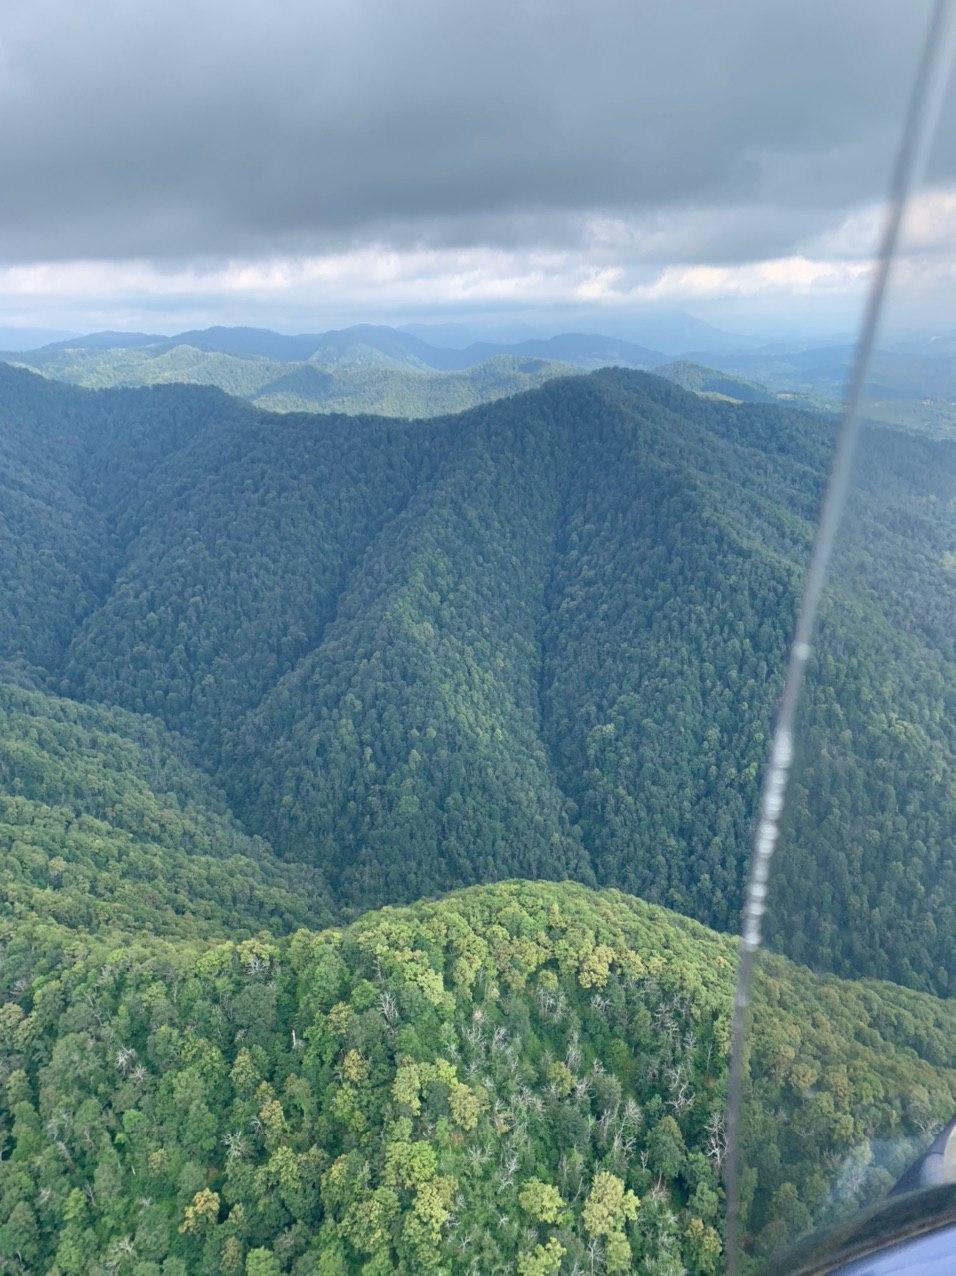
172 130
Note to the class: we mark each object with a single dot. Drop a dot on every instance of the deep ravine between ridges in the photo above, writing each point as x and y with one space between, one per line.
540 638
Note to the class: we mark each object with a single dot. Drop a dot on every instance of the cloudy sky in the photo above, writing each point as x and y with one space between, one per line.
558 162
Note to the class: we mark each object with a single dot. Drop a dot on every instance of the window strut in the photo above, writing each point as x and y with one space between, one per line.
921 117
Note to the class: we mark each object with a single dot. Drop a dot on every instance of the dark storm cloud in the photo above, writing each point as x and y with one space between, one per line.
177 129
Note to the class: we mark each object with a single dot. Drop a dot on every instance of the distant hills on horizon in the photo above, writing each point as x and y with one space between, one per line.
672 333
355 344
408 372
365 368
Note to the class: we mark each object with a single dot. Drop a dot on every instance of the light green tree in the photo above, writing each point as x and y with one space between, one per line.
542 1201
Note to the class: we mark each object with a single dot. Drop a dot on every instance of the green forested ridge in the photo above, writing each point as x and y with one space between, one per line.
54 554
519 1078
104 826
361 344
711 383
264 671
543 638
399 392
373 368
375 383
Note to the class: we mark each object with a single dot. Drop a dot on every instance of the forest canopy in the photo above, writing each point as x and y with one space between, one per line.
542 639
263 673
522 1077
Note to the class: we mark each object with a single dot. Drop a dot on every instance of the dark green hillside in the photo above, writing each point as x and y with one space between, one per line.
97 368
521 1078
405 751
54 552
712 384
398 392
104 826
235 552
541 638
292 391
492 620
262 671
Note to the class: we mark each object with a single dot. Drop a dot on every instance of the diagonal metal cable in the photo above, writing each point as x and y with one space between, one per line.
921 117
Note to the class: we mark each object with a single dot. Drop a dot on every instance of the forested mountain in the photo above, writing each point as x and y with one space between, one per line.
106 826
407 372
541 639
368 382
397 392
712 384
263 671
353 378
519 1078
365 368
363 344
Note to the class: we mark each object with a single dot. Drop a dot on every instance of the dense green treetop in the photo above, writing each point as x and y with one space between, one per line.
522 1077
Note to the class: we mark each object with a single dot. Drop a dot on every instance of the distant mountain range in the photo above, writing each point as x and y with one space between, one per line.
401 372
365 343
912 385
366 368
368 384
926 372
